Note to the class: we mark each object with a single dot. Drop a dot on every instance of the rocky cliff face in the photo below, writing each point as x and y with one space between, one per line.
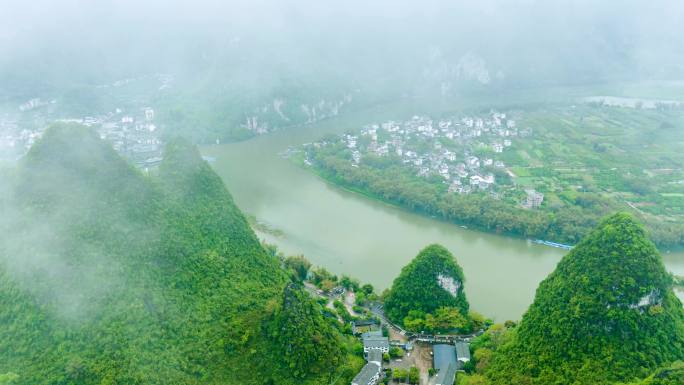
288 111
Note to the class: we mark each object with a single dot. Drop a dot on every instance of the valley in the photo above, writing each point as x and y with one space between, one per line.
349 233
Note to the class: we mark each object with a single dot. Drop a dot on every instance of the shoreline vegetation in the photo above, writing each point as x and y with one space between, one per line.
344 185
338 183
327 178
578 188
263 227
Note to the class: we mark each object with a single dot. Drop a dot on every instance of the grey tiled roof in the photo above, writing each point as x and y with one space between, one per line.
376 342
366 374
462 351
446 376
443 355
375 355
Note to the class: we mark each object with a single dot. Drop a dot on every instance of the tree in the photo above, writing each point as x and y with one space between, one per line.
414 375
367 289
327 285
482 357
349 283
306 341
415 321
299 265
357 348
399 374
360 298
321 274
477 321
473 379
669 375
8 378
446 319
396 352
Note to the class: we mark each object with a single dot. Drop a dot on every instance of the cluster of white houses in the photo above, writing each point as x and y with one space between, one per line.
465 154
445 147
15 137
134 135
14 142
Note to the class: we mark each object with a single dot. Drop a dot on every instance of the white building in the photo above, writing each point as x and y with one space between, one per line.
149 114
534 199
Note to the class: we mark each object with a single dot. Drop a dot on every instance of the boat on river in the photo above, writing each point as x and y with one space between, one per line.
553 244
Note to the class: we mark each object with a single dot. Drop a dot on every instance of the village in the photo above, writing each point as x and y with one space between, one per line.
393 354
465 152
133 134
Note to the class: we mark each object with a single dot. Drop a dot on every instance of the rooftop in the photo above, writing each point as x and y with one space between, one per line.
375 355
364 322
443 356
462 351
372 334
366 374
376 342
447 375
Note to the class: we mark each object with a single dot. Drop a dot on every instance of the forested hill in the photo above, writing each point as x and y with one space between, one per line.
429 293
108 276
606 314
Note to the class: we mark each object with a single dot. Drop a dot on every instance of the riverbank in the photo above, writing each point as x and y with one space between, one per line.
349 233
329 178
482 205
536 184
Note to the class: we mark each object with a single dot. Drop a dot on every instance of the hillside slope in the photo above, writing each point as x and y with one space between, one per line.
606 314
111 277
430 282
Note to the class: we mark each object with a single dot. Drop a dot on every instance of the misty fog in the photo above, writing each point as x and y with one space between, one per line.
160 160
52 44
244 52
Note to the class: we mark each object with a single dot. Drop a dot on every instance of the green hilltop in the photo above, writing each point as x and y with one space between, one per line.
109 276
428 293
606 314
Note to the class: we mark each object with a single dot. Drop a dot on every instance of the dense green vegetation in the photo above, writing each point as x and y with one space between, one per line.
420 302
606 314
589 161
108 276
668 375
307 343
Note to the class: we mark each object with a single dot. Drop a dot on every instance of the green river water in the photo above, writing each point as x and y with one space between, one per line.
348 233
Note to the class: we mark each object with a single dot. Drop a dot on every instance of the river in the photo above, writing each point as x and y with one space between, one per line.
350 234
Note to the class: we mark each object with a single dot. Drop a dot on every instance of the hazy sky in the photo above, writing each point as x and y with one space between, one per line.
563 39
